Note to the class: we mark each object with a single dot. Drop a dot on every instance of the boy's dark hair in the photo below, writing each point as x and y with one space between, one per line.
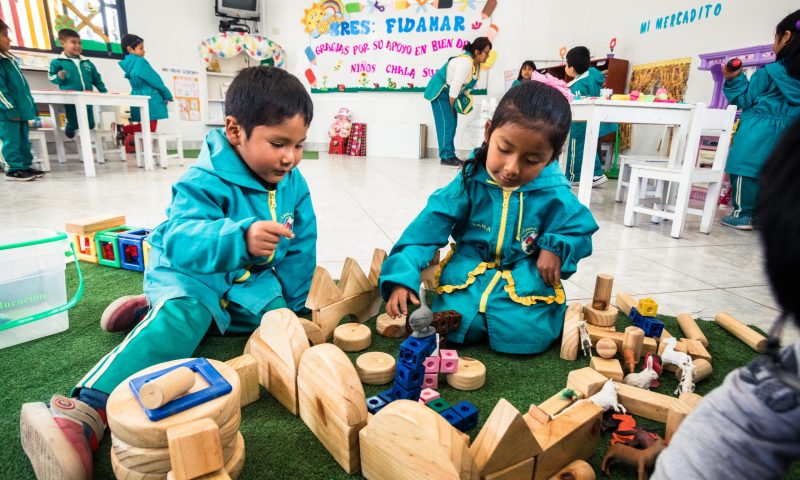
531 105
777 214
3 26
528 63
478 45
66 33
579 59
790 53
130 40
266 96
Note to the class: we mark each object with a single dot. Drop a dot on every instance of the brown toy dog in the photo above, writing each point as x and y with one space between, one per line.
643 460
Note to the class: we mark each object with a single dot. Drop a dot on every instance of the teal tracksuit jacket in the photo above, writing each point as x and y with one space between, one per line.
15 102
200 250
588 86
80 79
145 81
492 268
770 102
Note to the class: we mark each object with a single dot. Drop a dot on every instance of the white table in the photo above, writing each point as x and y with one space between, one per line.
596 111
83 99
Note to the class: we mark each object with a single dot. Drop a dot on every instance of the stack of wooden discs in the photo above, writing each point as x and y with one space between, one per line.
139 446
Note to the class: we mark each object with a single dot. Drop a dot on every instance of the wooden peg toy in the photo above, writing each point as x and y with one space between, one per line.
753 339
157 393
602 291
633 338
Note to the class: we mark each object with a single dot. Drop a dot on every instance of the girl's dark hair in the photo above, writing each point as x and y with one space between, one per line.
130 40
477 45
528 63
790 53
3 26
777 211
531 105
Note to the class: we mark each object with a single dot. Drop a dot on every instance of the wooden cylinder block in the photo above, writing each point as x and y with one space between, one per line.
387 326
753 339
471 375
602 291
633 339
601 318
577 470
352 337
690 328
606 348
625 302
570 337
375 368
167 387
702 370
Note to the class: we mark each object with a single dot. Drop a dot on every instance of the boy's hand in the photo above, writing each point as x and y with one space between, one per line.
263 237
549 265
730 75
398 301
62 74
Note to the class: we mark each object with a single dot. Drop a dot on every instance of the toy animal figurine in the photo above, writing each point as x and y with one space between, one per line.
607 398
644 460
627 359
420 320
341 125
643 379
686 385
656 366
586 340
670 355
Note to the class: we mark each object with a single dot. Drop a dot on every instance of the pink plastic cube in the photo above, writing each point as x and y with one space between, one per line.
428 394
448 362
431 380
431 365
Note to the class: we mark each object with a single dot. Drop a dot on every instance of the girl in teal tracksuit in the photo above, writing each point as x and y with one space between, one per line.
518 231
144 80
448 91
770 102
525 72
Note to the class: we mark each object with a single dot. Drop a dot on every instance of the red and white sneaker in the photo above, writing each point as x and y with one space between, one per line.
60 438
124 313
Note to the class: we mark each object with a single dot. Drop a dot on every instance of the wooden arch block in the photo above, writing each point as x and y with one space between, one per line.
504 440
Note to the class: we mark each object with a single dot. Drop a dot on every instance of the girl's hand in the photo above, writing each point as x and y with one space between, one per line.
398 301
549 265
62 74
730 75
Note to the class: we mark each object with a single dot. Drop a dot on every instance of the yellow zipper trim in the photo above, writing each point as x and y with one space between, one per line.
272 205
499 249
243 277
485 296
471 276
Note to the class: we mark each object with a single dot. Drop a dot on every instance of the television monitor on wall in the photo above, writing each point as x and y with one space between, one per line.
244 9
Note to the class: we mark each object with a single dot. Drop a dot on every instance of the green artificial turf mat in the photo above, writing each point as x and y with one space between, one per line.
192 153
279 445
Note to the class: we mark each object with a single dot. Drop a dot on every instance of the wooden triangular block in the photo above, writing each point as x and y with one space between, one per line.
504 440
353 281
378 257
324 290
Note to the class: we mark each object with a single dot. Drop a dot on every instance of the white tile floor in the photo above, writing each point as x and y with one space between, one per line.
365 203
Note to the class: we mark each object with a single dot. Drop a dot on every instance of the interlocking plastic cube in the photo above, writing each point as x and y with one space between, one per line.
387 396
409 378
431 365
648 307
428 395
413 351
453 418
652 326
85 247
449 361
375 403
438 405
108 245
468 412
401 393
131 249
431 380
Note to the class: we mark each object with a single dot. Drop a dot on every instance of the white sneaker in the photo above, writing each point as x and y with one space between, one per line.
597 181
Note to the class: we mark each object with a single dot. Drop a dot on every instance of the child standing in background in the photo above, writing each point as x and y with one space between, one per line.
770 102
72 71
525 72
517 226
144 81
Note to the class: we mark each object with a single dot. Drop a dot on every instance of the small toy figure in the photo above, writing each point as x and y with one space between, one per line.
644 459
586 340
341 125
686 385
643 379
607 398
420 320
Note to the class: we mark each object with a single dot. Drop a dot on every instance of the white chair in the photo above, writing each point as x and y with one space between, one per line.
627 161
106 137
686 174
161 140
38 140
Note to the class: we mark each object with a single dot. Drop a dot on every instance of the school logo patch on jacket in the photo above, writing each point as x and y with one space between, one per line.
528 243
288 221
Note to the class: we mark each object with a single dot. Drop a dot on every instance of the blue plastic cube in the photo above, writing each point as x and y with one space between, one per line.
469 413
652 326
409 378
453 418
414 351
401 393
387 396
375 403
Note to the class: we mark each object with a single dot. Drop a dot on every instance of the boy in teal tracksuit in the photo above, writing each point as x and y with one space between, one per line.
144 79
72 71
239 241
588 82
16 108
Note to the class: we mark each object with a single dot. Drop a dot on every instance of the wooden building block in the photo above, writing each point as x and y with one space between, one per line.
644 403
577 470
601 318
313 332
353 280
167 387
352 337
220 474
332 403
558 402
570 338
247 368
362 306
84 226
519 471
504 440
323 291
571 436
408 441
691 329
609 367
649 344
753 339
535 417
679 409
625 302
375 368
606 348
471 375
387 326
633 338
601 299
195 449
586 380
695 349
